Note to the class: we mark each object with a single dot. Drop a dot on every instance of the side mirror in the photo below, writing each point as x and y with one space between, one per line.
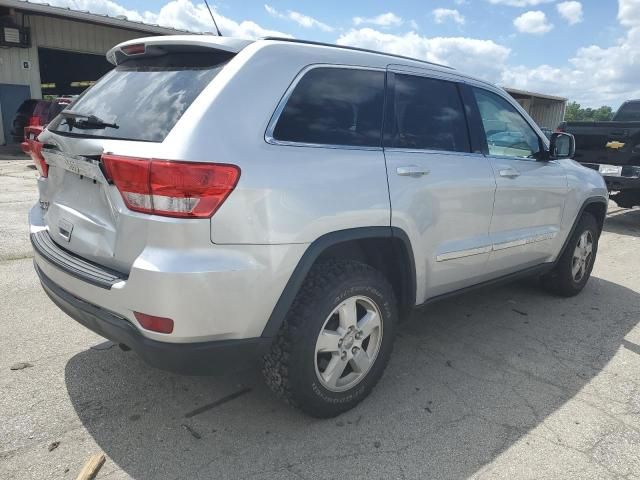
562 145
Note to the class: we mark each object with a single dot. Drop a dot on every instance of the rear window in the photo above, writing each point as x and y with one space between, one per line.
629 112
334 106
144 98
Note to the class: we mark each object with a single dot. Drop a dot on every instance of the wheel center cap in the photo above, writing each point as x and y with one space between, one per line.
348 341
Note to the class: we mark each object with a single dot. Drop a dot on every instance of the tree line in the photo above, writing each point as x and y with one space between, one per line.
575 113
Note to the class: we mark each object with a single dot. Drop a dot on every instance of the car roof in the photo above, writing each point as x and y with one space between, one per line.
235 45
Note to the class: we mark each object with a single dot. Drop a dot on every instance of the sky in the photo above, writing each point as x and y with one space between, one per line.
587 51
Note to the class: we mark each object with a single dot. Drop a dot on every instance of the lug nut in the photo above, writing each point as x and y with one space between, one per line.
340 343
343 355
354 350
359 336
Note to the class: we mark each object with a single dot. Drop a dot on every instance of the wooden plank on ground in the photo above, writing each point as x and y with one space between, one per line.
91 468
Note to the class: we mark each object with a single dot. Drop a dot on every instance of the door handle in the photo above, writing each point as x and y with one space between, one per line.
509 173
411 171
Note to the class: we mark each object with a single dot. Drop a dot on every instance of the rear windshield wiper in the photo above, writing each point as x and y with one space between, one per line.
83 121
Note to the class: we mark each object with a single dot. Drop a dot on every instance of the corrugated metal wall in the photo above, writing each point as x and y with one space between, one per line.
57 33
548 114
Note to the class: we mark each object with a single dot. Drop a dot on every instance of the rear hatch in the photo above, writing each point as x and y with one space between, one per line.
129 111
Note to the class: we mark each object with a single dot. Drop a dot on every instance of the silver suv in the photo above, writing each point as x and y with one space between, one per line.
212 199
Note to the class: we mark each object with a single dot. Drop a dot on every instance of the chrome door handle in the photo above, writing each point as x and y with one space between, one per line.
411 171
509 173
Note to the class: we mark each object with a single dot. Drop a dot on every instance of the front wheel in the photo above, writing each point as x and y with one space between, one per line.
336 340
573 269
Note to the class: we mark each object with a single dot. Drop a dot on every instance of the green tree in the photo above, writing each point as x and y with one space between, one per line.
572 113
575 113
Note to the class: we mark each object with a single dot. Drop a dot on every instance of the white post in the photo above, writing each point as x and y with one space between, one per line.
2 139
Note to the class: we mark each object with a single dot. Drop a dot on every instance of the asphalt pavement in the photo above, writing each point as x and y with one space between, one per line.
503 383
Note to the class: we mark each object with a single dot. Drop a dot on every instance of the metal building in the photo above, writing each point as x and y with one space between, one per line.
46 50
546 110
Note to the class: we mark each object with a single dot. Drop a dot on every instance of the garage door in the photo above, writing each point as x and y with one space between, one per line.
69 73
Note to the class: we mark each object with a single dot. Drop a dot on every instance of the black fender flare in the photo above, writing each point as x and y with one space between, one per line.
585 204
315 249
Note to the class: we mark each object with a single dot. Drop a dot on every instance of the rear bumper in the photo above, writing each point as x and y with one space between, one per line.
622 183
627 179
186 358
212 292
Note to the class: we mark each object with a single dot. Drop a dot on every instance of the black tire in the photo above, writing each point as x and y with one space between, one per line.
290 366
560 281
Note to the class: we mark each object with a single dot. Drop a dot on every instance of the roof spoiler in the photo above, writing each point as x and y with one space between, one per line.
138 47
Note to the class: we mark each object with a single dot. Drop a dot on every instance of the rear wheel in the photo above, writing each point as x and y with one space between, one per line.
573 269
336 340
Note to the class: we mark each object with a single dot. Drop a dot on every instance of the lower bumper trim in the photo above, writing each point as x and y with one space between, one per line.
202 358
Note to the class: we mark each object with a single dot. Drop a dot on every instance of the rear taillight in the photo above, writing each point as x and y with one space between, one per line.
35 150
153 323
35 120
171 189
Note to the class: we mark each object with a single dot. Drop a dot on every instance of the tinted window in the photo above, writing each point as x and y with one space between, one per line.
334 106
428 115
507 132
144 98
27 107
629 112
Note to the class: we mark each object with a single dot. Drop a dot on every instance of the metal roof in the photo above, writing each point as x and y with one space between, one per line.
526 93
89 17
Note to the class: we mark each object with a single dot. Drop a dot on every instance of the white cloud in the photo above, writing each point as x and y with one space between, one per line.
441 15
594 76
300 18
520 3
629 13
534 21
388 19
414 25
180 14
570 11
481 57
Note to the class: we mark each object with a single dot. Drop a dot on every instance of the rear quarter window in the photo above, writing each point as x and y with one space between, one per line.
629 112
334 106
144 97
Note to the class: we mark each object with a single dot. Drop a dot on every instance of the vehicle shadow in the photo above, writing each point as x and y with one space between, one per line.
623 221
469 377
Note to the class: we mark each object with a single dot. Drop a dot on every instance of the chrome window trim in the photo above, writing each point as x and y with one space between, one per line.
271 126
433 152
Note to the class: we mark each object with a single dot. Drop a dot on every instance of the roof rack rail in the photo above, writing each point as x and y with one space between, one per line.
357 49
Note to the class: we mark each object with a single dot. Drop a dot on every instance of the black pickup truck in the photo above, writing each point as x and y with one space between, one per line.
612 148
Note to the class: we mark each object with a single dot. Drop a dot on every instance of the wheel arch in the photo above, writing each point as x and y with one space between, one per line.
387 249
597 206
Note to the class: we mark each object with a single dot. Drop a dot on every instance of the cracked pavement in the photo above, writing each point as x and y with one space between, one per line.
503 383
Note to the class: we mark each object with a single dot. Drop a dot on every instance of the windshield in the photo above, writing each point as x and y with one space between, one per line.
629 112
142 99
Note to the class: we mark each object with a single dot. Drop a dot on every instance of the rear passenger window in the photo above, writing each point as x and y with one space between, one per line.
428 115
334 106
